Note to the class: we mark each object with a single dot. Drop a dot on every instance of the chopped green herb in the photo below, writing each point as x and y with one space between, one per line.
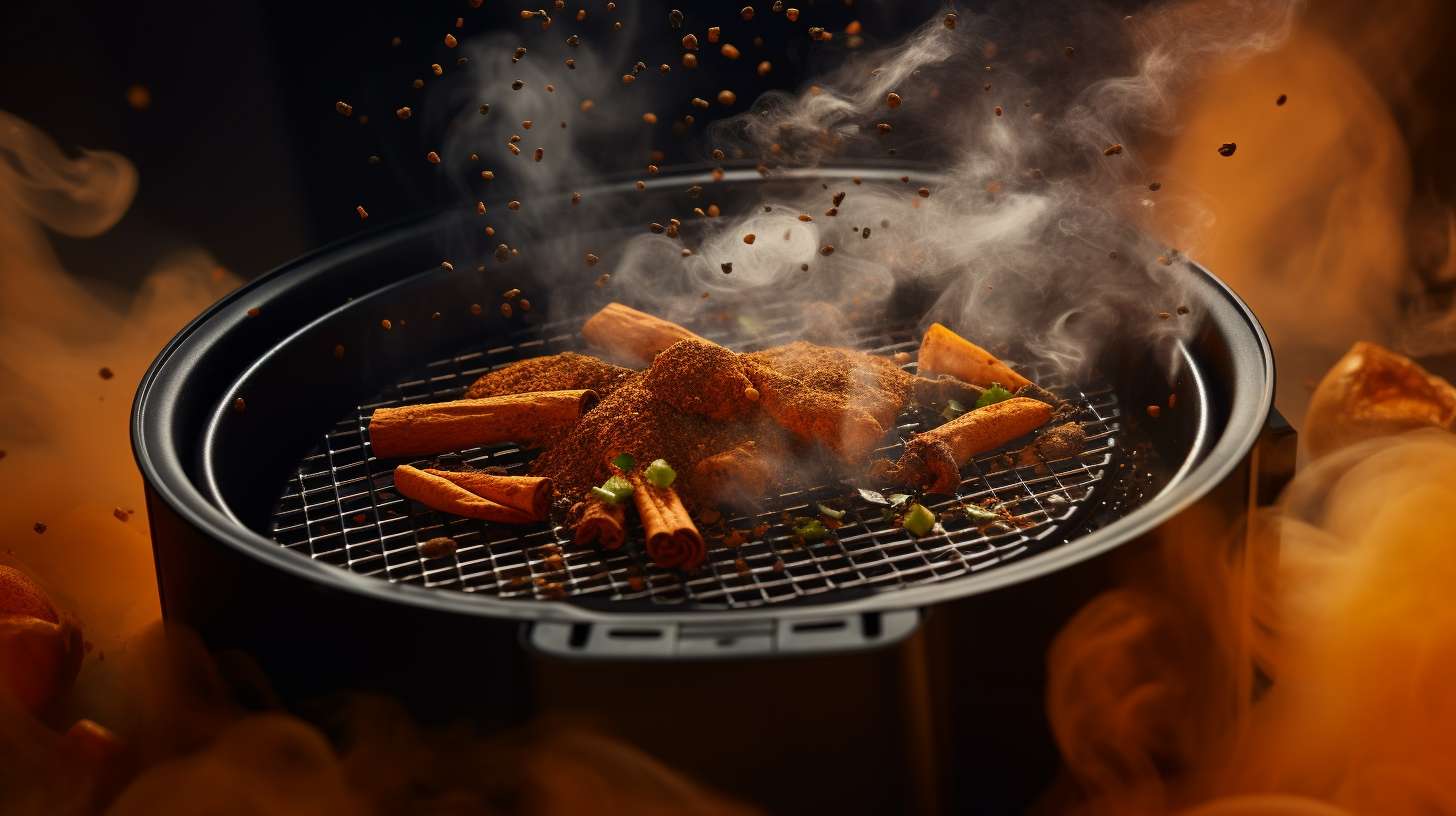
992 395
873 496
810 529
613 490
830 511
953 409
918 520
624 462
660 473
897 499
980 515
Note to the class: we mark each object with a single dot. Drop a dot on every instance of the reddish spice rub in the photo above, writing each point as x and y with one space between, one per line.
567 371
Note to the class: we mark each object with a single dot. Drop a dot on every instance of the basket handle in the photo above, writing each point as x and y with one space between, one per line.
691 640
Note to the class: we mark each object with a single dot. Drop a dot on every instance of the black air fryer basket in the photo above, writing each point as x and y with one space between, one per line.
277 532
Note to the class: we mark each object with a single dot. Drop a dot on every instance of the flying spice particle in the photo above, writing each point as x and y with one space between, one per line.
524 305
438 547
675 19
729 50
447 266
764 68
506 310
516 85
373 159
746 13
139 97
510 294
417 84
539 154
893 100
487 175
641 185
714 33
864 233
1155 186
726 267
656 228
690 60
1227 149
592 259
727 97
344 108
106 373
403 113
515 151
363 213
437 69
1112 150
999 111
513 204
394 42
576 198
884 127
699 102
1281 100
484 109
240 405
476 309
838 198
690 42
827 249
792 15
432 157
526 124
628 79
749 238
1069 51
571 63
617 26
516 57
527 14
339 351
40 528
450 41
951 20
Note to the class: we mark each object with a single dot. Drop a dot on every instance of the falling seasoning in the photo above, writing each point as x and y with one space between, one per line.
714 33
39 527
476 309
344 108
575 198
1227 149
690 60
950 21
339 351
523 305
436 69
432 157
513 204
519 54
447 266
749 238
450 41
539 153
1155 411
253 312
1281 100
239 405
105 373
121 515
1112 150
729 51
884 127
675 19
516 85
726 97
726 267
139 97
827 249
592 259
506 310
690 42
1155 186
792 15
764 68
893 100
746 13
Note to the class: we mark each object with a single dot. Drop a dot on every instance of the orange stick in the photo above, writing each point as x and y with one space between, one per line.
630 335
509 499
945 352
423 430
603 523
933 459
672 538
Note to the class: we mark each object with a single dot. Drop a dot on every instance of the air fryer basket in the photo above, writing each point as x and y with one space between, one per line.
253 430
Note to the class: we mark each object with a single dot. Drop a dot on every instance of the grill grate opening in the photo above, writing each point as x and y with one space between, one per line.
340 506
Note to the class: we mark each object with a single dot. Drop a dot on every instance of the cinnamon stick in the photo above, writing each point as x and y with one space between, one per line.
509 499
602 523
735 475
630 335
942 351
933 459
423 430
672 538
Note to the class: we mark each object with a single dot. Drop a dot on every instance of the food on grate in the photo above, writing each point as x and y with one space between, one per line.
739 475
673 540
627 334
600 522
933 459
531 419
698 377
567 371
945 352
485 496
817 417
1059 442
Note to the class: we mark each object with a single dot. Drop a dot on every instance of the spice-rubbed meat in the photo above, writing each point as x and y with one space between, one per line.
567 371
698 377
872 384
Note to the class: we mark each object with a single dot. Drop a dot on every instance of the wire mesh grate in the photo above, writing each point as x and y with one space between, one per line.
340 507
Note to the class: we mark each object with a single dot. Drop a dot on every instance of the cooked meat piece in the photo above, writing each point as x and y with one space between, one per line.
873 384
698 377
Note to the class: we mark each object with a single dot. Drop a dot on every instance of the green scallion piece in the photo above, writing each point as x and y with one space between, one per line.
624 462
605 495
993 394
810 529
918 521
660 473
830 511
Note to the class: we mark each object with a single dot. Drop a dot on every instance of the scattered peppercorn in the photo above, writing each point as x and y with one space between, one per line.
1227 149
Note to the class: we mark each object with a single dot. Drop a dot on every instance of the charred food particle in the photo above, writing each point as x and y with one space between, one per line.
518 55
664 68
432 157
403 113
1227 149
516 85
576 198
437 69
893 100
838 199
884 127
105 373
923 192
656 228
39 527
484 109
999 111
1069 51
574 41
726 267
344 108
640 185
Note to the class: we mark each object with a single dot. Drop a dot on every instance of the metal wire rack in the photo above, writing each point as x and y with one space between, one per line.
341 508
